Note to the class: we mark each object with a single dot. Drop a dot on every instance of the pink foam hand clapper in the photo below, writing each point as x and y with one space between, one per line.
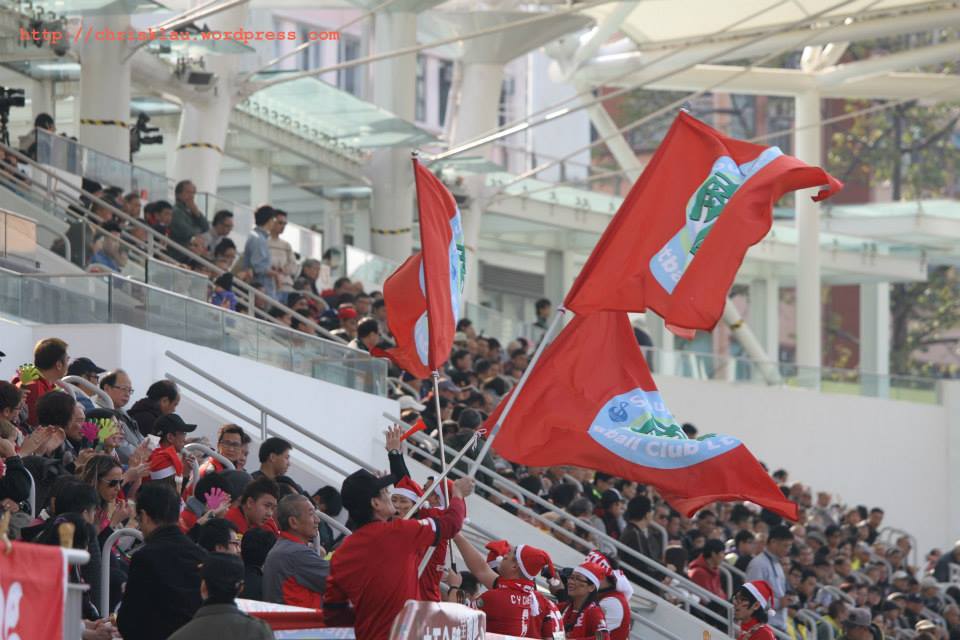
215 498
89 431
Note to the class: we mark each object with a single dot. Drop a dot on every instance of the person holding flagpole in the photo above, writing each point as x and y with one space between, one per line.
752 606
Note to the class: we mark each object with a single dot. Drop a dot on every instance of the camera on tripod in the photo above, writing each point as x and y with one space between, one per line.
9 98
141 134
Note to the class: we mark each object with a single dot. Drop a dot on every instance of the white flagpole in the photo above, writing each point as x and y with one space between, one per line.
443 455
547 337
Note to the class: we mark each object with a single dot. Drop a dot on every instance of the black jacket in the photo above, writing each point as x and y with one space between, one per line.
15 484
145 411
163 590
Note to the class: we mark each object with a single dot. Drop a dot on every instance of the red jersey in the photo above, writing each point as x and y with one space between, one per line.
616 613
587 623
210 465
548 619
510 607
375 570
33 391
235 515
430 578
754 630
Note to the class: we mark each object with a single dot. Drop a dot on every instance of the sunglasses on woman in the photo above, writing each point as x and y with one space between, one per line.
113 483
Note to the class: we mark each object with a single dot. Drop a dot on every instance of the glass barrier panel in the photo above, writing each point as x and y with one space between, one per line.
166 314
240 335
172 278
10 294
64 299
368 268
274 346
204 325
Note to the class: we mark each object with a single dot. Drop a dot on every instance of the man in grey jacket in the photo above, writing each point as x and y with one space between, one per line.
118 386
767 566
221 582
294 572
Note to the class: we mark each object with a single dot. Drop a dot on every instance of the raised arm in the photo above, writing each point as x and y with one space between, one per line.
476 563
398 466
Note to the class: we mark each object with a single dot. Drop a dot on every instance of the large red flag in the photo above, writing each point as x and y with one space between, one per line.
681 234
591 402
423 296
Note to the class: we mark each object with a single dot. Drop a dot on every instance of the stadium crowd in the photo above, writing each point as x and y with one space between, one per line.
254 532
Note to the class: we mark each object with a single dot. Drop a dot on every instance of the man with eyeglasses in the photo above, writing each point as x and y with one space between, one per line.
230 441
118 386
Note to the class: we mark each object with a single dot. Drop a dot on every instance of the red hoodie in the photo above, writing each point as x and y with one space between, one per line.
706 577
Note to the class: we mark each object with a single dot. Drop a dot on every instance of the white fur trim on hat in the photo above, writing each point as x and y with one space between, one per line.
588 575
405 493
623 584
165 472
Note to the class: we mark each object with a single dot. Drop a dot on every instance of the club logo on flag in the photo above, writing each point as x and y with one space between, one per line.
703 210
638 427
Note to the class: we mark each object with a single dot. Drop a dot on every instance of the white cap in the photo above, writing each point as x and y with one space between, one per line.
407 402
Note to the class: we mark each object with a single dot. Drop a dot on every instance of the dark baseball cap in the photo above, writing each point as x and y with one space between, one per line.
223 572
237 480
172 423
362 486
83 367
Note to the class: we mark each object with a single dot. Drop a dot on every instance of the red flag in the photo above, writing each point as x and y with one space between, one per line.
423 295
32 591
591 402
704 196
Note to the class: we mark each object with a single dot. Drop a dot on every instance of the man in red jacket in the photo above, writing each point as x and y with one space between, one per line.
705 568
374 572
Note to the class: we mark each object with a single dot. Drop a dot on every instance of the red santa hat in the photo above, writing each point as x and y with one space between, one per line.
407 488
622 583
593 572
762 593
439 491
532 560
496 549
165 462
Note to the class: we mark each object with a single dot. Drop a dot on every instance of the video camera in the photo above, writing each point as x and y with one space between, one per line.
141 134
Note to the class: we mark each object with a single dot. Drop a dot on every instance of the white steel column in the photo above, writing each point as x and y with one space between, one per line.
105 90
807 147
43 98
559 274
390 170
260 183
875 338
203 122
479 105
616 143
764 315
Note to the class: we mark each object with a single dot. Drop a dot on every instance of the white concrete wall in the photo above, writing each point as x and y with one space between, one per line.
869 451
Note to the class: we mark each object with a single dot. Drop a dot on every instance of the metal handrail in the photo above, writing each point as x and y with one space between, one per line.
663 533
156 237
573 536
86 385
32 496
73 607
602 535
333 523
207 451
727 579
888 532
836 592
656 627
819 620
105 564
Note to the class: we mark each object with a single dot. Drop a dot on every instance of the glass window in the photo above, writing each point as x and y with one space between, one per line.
349 49
420 109
445 80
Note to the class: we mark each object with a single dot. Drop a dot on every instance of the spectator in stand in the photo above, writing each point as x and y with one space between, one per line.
368 335
118 386
188 220
199 508
163 590
256 252
256 507
86 369
219 230
50 363
254 548
223 295
639 536
512 603
282 258
582 615
347 315
310 271
160 217
219 536
327 500
274 458
544 309
295 573
230 441
374 572
611 510
221 581
951 614
60 411
942 570
857 625
874 520
704 570
162 399
132 204
379 311
107 252
744 547
768 566
166 461
752 604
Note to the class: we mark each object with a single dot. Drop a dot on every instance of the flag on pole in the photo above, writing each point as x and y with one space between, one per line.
591 402
33 591
682 232
423 295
